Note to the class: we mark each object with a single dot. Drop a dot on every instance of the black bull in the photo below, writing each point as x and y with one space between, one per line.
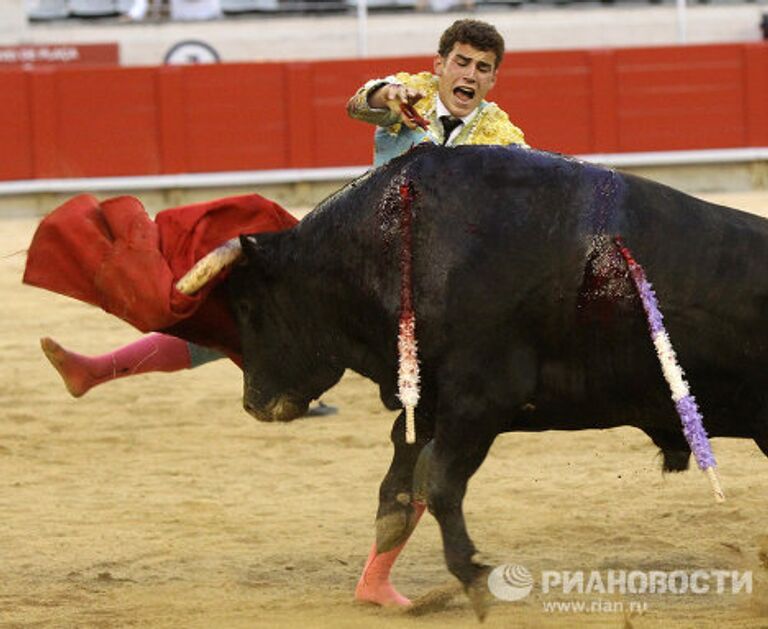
526 317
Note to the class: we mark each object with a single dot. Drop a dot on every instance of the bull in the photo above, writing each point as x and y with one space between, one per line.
526 317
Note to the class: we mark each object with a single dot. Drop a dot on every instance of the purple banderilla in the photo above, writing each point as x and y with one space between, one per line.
685 403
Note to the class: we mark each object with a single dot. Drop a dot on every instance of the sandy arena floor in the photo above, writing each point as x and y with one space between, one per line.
156 501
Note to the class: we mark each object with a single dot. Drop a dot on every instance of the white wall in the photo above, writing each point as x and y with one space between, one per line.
13 19
327 37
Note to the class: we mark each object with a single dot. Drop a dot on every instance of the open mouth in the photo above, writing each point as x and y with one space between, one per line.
464 94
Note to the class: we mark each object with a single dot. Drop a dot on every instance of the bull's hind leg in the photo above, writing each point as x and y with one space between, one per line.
761 430
455 457
397 516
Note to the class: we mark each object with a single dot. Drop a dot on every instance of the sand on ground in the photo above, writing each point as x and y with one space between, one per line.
156 501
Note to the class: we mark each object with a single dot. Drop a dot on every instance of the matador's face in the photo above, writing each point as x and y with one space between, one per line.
465 76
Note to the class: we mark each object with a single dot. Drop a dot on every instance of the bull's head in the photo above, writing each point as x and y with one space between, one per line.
283 365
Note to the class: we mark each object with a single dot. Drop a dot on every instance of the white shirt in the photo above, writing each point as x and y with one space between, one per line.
442 110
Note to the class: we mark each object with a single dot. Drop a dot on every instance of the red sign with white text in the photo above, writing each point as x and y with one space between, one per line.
58 54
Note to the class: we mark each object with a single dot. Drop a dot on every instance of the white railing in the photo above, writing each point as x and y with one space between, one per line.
344 173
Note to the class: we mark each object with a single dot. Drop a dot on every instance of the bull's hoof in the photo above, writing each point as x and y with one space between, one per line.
479 595
395 527
391 530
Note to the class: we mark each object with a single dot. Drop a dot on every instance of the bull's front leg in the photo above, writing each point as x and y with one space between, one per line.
454 457
396 518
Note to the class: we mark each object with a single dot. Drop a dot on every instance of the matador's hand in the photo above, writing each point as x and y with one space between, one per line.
394 95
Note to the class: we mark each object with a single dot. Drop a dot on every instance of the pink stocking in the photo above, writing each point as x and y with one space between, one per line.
374 585
153 352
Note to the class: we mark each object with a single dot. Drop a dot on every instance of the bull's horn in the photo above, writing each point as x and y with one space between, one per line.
208 266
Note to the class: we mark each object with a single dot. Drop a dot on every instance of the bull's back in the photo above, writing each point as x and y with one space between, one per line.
520 280
521 295
507 238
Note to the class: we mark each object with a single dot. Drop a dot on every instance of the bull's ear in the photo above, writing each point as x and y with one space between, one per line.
250 245
257 252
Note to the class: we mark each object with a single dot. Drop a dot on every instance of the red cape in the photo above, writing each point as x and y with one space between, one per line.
113 255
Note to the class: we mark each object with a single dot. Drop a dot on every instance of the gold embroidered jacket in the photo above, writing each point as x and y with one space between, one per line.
491 125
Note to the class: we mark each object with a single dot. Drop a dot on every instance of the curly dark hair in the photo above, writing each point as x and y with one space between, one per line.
476 33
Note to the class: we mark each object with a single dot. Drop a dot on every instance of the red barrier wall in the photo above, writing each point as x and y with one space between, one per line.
107 121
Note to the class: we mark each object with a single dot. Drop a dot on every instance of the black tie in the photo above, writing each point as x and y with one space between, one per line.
449 124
